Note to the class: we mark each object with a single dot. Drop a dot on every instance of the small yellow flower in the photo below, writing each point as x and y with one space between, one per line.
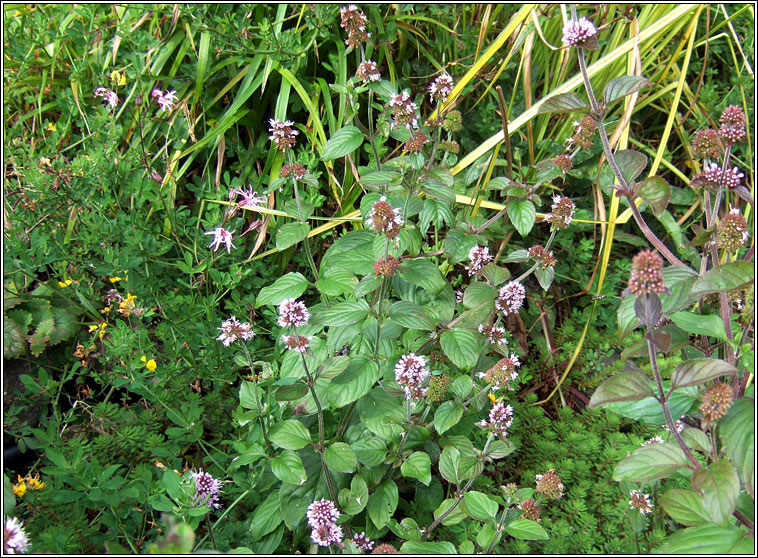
143 359
64 284
93 328
106 310
114 279
101 327
151 365
20 488
34 482
52 127
492 397
118 77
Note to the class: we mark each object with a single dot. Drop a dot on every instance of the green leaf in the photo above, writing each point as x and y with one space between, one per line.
709 325
352 252
545 277
461 386
724 278
565 102
479 506
371 451
417 465
649 409
458 245
620 87
697 439
381 413
697 371
624 386
527 530
341 457
455 516
517 256
720 487
522 214
429 548
499 449
684 506
290 234
495 274
343 314
288 467
737 432
423 273
651 462
292 392
438 189
631 163
335 282
450 460
461 347
289 434
247 397
354 499
382 503
706 539
353 383
656 192
266 517
343 141
413 316
479 294
447 415
14 343
407 529
287 286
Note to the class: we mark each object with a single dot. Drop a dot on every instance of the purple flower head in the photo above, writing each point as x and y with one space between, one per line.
322 512
410 373
362 541
354 21
576 32
403 111
500 418
14 537
479 256
206 489
250 198
368 71
165 100
562 212
327 534
282 133
297 343
733 124
383 218
646 276
441 87
293 312
232 329
221 236
108 96
495 334
732 178
549 484
510 298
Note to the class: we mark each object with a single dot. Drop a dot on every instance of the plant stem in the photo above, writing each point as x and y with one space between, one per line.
499 527
210 532
257 401
408 426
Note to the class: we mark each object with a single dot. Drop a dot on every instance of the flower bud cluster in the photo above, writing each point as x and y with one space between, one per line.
504 372
403 111
354 21
562 212
706 143
732 124
544 258
583 134
368 71
731 232
646 274
383 218
282 133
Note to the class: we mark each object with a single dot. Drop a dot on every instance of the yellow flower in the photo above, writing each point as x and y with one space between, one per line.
144 358
118 77
114 279
93 328
492 397
64 284
151 365
101 327
19 489
34 484
52 127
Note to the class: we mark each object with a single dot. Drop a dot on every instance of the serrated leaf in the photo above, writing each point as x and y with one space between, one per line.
343 141
631 163
522 214
479 506
450 460
624 386
656 192
545 277
288 467
684 506
413 316
417 465
289 434
495 274
706 539
651 462
448 414
461 346
499 449
382 503
423 273
737 432
14 342
698 324
527 530
290 234
371 451
697 439
343 314
266 517
620 87
341 457
352 252
287 286
720 487
697 371
724 278
353 383
458 245
566 102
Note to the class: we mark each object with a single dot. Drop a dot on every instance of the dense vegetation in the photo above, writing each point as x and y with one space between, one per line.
383 278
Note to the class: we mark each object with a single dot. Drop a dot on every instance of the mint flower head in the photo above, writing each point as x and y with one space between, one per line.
504 372
640 501
232 329
549 485
403 111
282 133
706 143
410 373
327 534
354 22
362 541
732 124
441 87
297 343
500 418
731 232
732 178
368 71
562 212
510 298
293 312
207 489
580 33
646 274
14 537
383 218
479 257
322 512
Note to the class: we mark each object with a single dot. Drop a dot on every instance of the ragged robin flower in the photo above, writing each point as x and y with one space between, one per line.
646 274
221 236
109 96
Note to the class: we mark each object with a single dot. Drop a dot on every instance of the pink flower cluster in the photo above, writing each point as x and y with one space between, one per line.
322 517
510 298
500 418
410 373
479 257
293 312
232 329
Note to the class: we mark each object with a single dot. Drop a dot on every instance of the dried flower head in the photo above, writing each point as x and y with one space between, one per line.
563 162
14 537
441 87
383 218
438 387
232 329
354 22
385 548
731 232
206 489
510 298
562 212
549 485
706 143
282 133
386 267
479 257
495 334
362 541
297 343
579 33
221 236
733 124
110 97
322 512
530 509
295 170
584 131
500 418
410 373
416 142
450 147
327 534
367 71
502 373
640 502
165 100
403 111
716 401
453 121
646 276
544 257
